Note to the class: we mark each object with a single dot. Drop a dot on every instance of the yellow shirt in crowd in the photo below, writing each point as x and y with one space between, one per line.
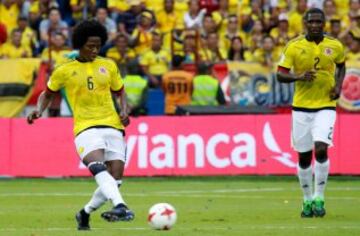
157 62
8 50
9 16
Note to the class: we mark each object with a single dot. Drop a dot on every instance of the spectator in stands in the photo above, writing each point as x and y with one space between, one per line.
117 7
208 26
55 55
181 7
121 53
254 38
353 29
330 12
232 31
154 5
268 54
28 37
315 4
128 21
221 16
212 53
9 13
141 38
177 86
110 25
281 33
155 62
51 25
296 18
167 20
14 49
246 19
136 90
190 49
237 50
354 49
354 7
39 9
335 27
82 9
206 89
194 17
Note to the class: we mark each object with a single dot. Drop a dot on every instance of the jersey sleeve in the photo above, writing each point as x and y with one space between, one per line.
287 57
116 82
57 80
341 55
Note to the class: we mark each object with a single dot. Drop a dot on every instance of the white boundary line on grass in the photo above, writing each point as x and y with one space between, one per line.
187 193
257 227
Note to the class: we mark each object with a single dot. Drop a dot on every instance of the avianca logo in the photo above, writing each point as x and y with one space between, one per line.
272 145
220 150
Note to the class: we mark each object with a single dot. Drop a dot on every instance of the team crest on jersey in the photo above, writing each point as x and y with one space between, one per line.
102 70
328 51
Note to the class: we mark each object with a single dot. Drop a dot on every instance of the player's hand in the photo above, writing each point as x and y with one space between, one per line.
335 93
124 117
33 116
308 76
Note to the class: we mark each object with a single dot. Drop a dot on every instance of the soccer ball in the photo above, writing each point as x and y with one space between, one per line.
162 216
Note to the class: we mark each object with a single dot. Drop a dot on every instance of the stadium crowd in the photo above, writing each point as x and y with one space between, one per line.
150 33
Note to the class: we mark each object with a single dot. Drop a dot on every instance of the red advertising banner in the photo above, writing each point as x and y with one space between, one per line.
159 146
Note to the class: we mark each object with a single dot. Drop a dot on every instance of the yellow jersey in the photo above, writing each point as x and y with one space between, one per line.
157 62
8 50
121 5
302 55
88 87
353 56
9 16
59 57
114 54
144 40
28 37
154 5
79 15
296 25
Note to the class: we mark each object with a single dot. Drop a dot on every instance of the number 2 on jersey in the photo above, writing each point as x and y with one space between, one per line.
317 60
90 83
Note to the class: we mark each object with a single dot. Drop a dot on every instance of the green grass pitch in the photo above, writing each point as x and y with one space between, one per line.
209 206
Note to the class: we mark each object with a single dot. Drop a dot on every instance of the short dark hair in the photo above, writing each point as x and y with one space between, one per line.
312 11
177 60
86 29
204 68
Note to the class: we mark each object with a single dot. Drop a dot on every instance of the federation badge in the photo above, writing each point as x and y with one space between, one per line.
102 70
328 51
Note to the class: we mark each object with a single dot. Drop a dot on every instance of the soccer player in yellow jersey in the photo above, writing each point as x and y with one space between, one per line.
89 82
317 63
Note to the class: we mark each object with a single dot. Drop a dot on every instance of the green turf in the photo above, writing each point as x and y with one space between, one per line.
226 206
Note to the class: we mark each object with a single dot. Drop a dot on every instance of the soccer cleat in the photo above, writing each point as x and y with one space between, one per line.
118 213
318 207
82 219
307 211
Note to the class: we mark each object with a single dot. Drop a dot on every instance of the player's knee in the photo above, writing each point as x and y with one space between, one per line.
321 154
96 167
305 159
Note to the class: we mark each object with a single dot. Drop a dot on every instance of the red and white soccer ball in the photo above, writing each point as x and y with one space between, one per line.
162 216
